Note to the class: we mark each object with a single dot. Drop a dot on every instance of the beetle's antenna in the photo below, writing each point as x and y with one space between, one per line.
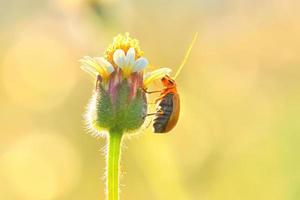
186 55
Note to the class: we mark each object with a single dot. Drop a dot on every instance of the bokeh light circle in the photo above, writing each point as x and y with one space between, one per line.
38 70
40 166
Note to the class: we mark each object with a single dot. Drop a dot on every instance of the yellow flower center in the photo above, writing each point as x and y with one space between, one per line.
124 42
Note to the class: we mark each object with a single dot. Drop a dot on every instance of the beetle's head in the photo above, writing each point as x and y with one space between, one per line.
167 81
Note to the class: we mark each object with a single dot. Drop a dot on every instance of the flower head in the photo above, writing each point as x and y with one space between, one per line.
119 100
124 42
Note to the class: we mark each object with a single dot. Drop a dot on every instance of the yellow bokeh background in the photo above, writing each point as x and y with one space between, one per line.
239 131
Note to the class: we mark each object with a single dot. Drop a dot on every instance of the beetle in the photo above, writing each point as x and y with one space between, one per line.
168 108
168 103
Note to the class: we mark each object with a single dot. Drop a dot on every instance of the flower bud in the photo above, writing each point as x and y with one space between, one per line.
119 103
122 106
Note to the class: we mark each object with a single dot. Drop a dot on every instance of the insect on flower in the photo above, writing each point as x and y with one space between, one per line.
168 103
119 101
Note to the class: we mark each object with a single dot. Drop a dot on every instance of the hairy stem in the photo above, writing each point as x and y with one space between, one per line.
113 162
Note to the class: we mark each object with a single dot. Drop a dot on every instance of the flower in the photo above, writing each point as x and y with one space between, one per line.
119 101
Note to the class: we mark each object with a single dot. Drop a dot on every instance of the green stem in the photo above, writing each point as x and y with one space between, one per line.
113 162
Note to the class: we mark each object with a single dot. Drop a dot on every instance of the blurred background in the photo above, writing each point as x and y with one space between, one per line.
238 135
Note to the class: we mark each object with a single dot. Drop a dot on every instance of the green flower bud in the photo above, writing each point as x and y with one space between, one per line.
121 106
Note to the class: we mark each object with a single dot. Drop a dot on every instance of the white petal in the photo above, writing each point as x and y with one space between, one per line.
88 68
119 57
104 63
140 64
87 60
156 74
130 57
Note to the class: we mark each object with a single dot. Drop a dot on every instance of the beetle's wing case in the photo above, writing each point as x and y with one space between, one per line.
175 114
161 121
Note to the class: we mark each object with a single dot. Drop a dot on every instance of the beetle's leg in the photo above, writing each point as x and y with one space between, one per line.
155 91
156 113
151 92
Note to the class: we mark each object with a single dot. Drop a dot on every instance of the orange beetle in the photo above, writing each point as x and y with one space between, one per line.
168 103
168 107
